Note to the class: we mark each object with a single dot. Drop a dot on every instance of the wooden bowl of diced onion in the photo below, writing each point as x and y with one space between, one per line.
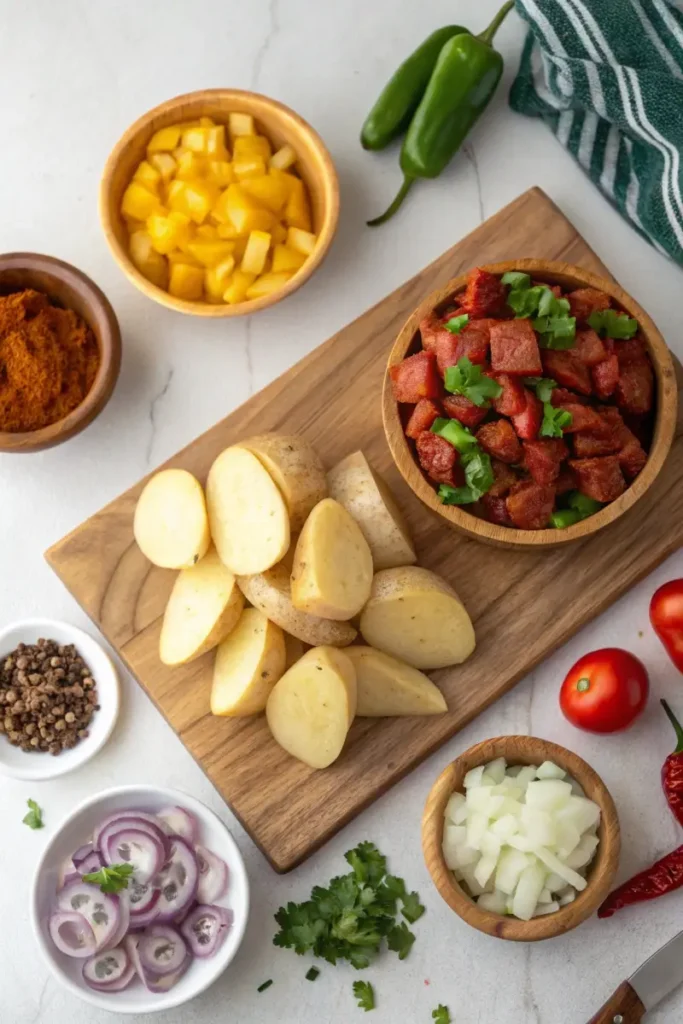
224 270
522 750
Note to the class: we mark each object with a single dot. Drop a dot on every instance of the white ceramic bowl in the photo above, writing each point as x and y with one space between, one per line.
76 830
42 765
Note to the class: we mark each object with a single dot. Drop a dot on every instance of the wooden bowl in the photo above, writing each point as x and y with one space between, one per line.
570 277
68 287
281 125
521 750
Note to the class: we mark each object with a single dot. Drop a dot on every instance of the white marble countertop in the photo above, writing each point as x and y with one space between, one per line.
74 75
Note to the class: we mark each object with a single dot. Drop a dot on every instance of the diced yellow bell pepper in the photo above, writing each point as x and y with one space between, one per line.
165 140
164 164
301 241
181 256
266 284
227 230
215 143
255 254
285 258
249 167
242 211
186 282
207 122
268 190
210 253
220 172
207 232
246 146
134 225
241 124
196 139
190 166
194 199
240 247
138 202
279 233
179 152
237 287
297 211
283 159
216 279
148 176
148 261
168 232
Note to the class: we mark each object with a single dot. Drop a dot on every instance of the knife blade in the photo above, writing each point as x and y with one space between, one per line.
646 987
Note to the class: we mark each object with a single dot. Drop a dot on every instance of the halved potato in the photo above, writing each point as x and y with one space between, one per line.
295 468
332 570
248 664
311 708
170 523
366 496
414 615
389 687
247 514
271 592
203 608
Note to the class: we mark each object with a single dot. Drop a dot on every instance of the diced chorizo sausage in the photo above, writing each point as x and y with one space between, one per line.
567 370
588 347
460 408
605 377
484 294
528 423
437 457
431 328
500 440
530 504
473 340
503 479
543 459
600 478
512 400
585 301
583 418
496 509
566 481
563 396
635 386
422 417
514 348
632 457
415 378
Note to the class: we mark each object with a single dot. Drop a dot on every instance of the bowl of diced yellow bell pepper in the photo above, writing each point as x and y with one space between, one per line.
219 203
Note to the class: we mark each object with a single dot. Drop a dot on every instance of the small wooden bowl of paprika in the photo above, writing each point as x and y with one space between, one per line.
88 375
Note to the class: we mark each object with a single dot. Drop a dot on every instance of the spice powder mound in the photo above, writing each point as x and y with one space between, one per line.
48 361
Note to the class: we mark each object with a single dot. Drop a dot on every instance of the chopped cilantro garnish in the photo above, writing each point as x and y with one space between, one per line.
516 279
456 323
478 479
551 315
610 324
554 421
584 505
557 332
543 387
412 909
112 878
455 433
34 818
469 380
312 973
365 995
524 301
400 939
265 985
441 1014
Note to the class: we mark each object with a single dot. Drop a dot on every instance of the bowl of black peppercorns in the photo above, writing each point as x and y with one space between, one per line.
59 698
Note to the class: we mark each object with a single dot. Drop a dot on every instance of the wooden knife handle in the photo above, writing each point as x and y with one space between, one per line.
624 1007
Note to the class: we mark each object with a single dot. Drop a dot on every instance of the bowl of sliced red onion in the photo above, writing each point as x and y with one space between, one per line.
140 900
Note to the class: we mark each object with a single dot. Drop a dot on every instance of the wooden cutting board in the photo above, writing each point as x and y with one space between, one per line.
523 605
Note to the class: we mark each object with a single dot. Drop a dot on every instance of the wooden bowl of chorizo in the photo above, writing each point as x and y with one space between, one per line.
57 371
584 444
522 750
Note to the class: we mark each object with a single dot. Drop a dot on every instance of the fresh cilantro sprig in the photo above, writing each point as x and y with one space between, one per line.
549 315
555 421
34 818
543 386
364 993
516 279
441 1014
469 380
610 324
475 462
350 918
112 878
556 332
456 323
455 433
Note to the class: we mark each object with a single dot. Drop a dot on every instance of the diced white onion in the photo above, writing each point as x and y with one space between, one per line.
548 770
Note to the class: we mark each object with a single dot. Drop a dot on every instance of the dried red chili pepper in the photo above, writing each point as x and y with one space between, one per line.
666 875
672 769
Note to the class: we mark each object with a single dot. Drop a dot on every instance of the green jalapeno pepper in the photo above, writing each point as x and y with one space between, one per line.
464 79
401 96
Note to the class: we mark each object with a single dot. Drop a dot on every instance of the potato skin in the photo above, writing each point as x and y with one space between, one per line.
296 470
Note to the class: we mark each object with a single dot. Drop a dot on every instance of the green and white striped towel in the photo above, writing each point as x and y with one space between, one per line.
607 77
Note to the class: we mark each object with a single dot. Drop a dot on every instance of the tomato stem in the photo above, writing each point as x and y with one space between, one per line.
677 727
583 685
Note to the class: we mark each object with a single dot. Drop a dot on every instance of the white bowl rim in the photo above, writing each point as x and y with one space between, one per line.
169 1000
79 755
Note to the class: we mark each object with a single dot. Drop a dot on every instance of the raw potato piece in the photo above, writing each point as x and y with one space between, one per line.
311 709
295 468
247 513
365 495
416 616
203 608
248 664
332 571
271 592
170 524
389 687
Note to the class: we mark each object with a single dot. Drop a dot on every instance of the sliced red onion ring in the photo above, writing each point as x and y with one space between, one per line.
115 986
165 982
93 862
73 876
206 929
177 881
124 924
72 934
141 896
213 876
162 950
130 820
81 854
140 919
124 817
101 910
180 822
133 846
105 969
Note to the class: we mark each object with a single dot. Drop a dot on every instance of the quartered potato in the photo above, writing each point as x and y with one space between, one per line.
248 664
296 469
171 526
389 687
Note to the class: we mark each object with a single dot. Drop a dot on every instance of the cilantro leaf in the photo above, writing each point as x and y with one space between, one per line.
441 1014
543 387
34 818
412 909
368 864
478 479
365 995
524 301
610 324
463 495
455 433
469 380
584 505
400 940
550 305
554 421
456 323
265 985
312 973
112 878
516 279
556 332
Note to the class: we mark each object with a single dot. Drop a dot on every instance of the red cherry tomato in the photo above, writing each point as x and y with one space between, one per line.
605 691
666 616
